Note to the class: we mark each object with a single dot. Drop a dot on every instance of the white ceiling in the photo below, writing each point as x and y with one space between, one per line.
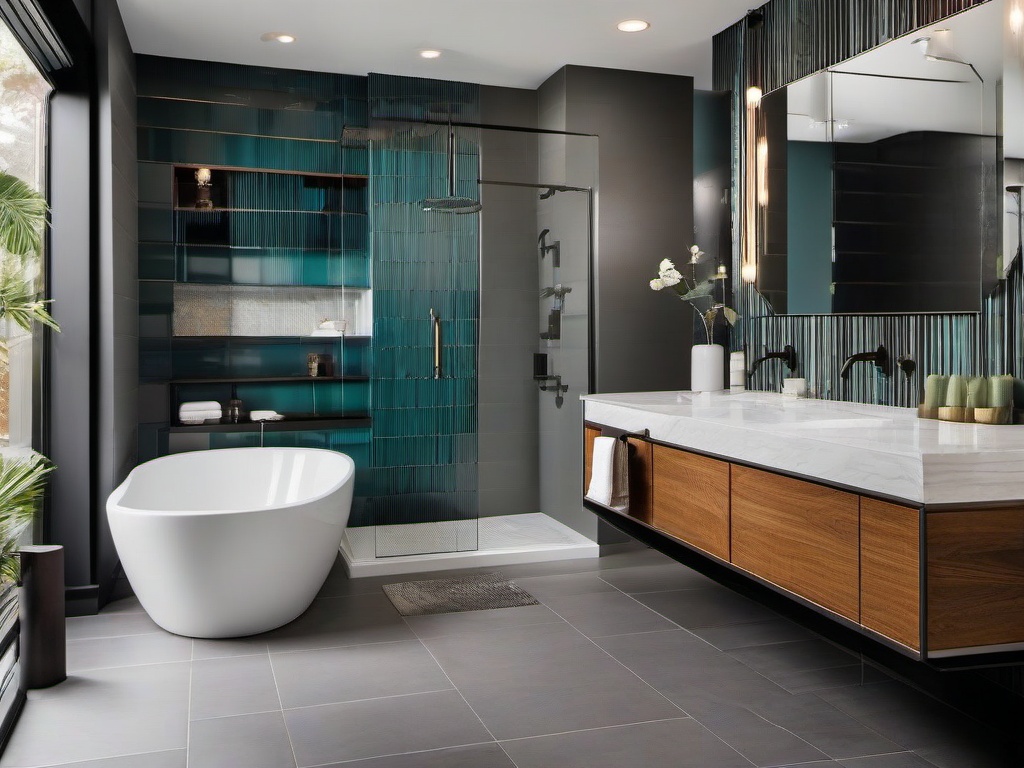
515 43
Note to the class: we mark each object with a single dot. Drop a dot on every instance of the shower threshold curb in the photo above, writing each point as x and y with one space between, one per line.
504 540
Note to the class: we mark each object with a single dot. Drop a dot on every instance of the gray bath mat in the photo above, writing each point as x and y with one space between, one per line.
479 592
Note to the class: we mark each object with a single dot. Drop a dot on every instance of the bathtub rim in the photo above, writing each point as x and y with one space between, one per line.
114 499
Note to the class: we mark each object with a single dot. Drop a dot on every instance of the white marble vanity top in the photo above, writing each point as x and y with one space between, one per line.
874 448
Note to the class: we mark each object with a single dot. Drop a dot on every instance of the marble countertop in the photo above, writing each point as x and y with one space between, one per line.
875 448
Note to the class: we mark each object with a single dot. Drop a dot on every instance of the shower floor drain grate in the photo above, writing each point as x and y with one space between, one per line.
479 592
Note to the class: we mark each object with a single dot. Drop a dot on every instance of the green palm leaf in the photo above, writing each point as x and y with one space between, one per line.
22 483
22 214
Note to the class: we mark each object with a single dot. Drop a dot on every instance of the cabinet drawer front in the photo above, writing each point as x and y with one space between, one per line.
975 578
691 499
798 535
890 571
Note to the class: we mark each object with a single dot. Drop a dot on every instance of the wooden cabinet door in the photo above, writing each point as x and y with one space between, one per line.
798 535
975 578
890 571
691 499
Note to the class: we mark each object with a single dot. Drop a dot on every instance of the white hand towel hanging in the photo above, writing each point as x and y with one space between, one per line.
609 478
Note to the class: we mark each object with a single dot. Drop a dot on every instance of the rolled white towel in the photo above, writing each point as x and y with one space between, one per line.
609 478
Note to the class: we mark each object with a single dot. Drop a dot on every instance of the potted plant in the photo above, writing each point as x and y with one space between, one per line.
707 361
22 480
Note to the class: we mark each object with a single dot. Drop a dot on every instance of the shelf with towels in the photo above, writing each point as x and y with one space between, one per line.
296 423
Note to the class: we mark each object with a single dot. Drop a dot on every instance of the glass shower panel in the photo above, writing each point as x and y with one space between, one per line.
426 307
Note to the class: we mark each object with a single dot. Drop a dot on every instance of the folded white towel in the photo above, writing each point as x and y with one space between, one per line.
199 405
609 478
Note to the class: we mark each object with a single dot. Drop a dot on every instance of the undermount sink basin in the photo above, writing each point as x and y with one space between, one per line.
854 423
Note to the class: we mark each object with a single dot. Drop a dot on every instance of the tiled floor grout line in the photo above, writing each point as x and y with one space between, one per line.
659 693
188 711
280 703
397 754
599 728
461 694
360 701
718 650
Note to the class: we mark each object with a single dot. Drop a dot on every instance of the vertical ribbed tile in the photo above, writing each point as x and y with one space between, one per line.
422 469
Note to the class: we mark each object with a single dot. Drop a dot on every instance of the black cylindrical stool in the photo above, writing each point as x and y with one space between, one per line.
43 641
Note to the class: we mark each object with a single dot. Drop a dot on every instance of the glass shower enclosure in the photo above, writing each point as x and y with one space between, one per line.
481 335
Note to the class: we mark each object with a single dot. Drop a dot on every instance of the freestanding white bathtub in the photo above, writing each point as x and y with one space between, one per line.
231 542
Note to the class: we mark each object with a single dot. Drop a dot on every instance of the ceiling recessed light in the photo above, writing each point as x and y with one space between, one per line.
632 25
430 53
277 37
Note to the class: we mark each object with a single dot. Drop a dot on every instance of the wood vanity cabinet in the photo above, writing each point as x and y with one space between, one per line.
890 570
802 536
691 499
975 577
955 574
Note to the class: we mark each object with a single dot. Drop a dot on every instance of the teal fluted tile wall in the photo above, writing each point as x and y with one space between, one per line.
425 430
283 216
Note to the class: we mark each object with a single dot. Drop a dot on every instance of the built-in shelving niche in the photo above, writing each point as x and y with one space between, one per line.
260 258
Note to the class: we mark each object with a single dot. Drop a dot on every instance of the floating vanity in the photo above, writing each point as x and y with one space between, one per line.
909 530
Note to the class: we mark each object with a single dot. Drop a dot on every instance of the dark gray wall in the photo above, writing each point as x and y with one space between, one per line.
117 295
644 214
68 519
809 210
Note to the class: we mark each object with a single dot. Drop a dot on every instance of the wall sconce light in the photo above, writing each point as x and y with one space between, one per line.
204 188
762 172
751 188
1016 19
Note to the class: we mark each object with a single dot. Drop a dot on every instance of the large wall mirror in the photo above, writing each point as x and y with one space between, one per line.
885 190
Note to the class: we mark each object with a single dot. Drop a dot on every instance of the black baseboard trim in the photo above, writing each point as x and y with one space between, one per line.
82 601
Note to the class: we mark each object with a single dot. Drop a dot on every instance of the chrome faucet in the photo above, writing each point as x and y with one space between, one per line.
787 355
880 357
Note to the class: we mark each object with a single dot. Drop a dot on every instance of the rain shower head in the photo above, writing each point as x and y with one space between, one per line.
451 203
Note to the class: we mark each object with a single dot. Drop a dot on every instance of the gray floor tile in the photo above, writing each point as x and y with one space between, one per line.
339 621
835 733
758 740
607 613
175 758
811 680
564 585
241 685
897 760
633 557
667 744
103 713
375 727
110 625
334 675
252 741
979 752
780 658
715 606
130 650
468 622
663 577
529 681
796 665
689 671
477 756
907 717
734 636
226 648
